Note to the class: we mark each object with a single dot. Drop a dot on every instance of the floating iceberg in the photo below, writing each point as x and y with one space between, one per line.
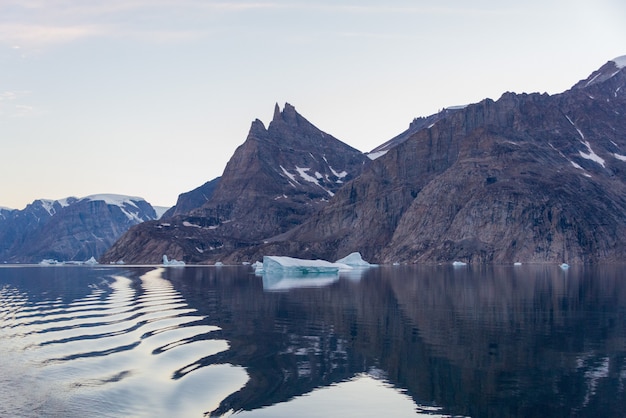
91 262
564 266
167 262
298 267
459 263
354 260
517 263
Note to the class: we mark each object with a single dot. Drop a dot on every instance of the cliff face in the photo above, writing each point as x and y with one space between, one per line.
529 177
276 179
533 178
69 229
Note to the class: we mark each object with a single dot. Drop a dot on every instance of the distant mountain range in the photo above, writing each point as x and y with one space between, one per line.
71 229
528 177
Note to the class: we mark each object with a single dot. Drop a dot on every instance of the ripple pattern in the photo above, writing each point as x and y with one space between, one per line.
117 352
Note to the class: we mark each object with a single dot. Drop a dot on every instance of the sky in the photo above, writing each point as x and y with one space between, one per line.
151 98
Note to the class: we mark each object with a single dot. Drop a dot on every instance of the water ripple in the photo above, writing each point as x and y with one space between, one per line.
136 333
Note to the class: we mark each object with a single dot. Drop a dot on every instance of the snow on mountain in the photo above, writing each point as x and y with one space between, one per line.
620 62
127 204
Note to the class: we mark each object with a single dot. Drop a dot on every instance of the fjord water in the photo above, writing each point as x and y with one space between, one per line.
497 341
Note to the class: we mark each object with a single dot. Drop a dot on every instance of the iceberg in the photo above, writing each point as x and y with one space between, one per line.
354 260
167 262
459 263
91 262
564 266
299 267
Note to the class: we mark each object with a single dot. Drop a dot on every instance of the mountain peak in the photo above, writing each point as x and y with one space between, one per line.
604 73
288 114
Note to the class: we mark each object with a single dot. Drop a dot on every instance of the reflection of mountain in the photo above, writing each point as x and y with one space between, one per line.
476 342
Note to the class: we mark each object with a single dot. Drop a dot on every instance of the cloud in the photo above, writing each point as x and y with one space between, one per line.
11 107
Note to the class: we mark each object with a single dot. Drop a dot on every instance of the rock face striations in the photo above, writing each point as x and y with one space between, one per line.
69 229
529 177
276 179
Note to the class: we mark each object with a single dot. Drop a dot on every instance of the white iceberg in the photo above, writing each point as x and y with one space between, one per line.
298 267
564 266
167 262
354 260
91 262
459 263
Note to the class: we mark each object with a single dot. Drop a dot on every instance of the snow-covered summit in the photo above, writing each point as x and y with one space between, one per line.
115 199
620 62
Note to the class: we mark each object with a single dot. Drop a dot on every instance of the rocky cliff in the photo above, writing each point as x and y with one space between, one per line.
279 177
69 229
529 177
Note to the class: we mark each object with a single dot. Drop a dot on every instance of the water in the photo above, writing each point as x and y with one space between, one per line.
390 341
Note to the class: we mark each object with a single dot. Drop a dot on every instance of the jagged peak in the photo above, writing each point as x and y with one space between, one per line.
288 114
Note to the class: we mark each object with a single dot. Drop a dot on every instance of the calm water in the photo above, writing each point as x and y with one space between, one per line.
392 341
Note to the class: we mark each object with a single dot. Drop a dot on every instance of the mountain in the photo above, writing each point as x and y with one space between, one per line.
193 199
529 177
68 229
279 177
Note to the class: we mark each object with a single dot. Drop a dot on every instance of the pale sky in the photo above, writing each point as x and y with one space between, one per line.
151 98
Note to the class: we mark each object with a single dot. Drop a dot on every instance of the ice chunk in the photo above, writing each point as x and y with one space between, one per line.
459 263
91 262
298 267
167 262
354 260
564 266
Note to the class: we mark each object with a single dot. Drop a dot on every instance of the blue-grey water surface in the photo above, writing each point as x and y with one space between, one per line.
400 341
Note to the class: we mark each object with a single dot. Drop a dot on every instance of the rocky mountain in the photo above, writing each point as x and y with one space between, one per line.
192 199
69 229
279 177
529 177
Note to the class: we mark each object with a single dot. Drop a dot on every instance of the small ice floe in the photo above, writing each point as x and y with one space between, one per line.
167 262
517 263
91 262
459 263
50 262
258 267
218 264
564 266
355 260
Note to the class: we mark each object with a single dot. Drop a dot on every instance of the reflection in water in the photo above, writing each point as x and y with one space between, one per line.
113 351
394 341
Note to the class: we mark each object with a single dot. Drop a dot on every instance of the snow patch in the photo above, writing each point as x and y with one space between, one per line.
48 205
375 155
115 199
338 175
189 224
575 127
303 173
591 155
620 157
288 174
